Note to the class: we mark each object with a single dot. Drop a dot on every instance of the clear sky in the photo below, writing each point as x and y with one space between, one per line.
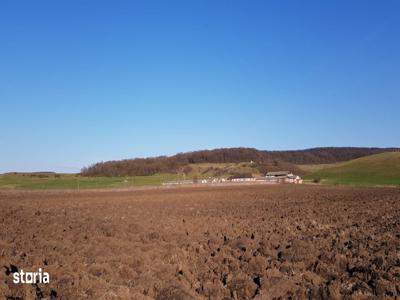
86 81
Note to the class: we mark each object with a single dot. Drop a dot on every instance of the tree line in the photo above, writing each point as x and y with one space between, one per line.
264 160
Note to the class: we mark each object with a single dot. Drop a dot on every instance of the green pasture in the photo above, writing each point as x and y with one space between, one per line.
71 181
374 170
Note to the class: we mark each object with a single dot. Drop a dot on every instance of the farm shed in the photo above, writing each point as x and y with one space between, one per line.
283 177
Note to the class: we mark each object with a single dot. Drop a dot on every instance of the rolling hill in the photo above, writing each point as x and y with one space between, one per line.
377 169
264 160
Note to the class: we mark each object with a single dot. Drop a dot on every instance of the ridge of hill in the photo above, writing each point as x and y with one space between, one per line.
377 169
263 160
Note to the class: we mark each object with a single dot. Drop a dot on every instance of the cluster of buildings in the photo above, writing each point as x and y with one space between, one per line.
273 177
283 177
270 177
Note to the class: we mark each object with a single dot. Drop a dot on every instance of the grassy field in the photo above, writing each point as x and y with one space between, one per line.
314 168
71 181
379 169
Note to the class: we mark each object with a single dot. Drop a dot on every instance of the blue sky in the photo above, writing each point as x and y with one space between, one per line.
86 81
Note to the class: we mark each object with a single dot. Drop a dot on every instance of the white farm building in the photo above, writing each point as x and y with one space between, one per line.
283 177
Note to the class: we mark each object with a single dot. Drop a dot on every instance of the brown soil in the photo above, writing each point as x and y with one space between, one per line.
243 242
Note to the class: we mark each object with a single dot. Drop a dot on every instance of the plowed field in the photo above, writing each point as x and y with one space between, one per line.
233 242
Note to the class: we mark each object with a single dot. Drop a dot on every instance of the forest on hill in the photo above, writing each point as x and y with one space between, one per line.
264 160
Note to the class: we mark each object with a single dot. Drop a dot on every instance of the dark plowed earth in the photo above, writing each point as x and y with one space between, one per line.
244 242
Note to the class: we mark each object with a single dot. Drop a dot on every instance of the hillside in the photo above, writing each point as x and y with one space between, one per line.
264 160
326 155
378 169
